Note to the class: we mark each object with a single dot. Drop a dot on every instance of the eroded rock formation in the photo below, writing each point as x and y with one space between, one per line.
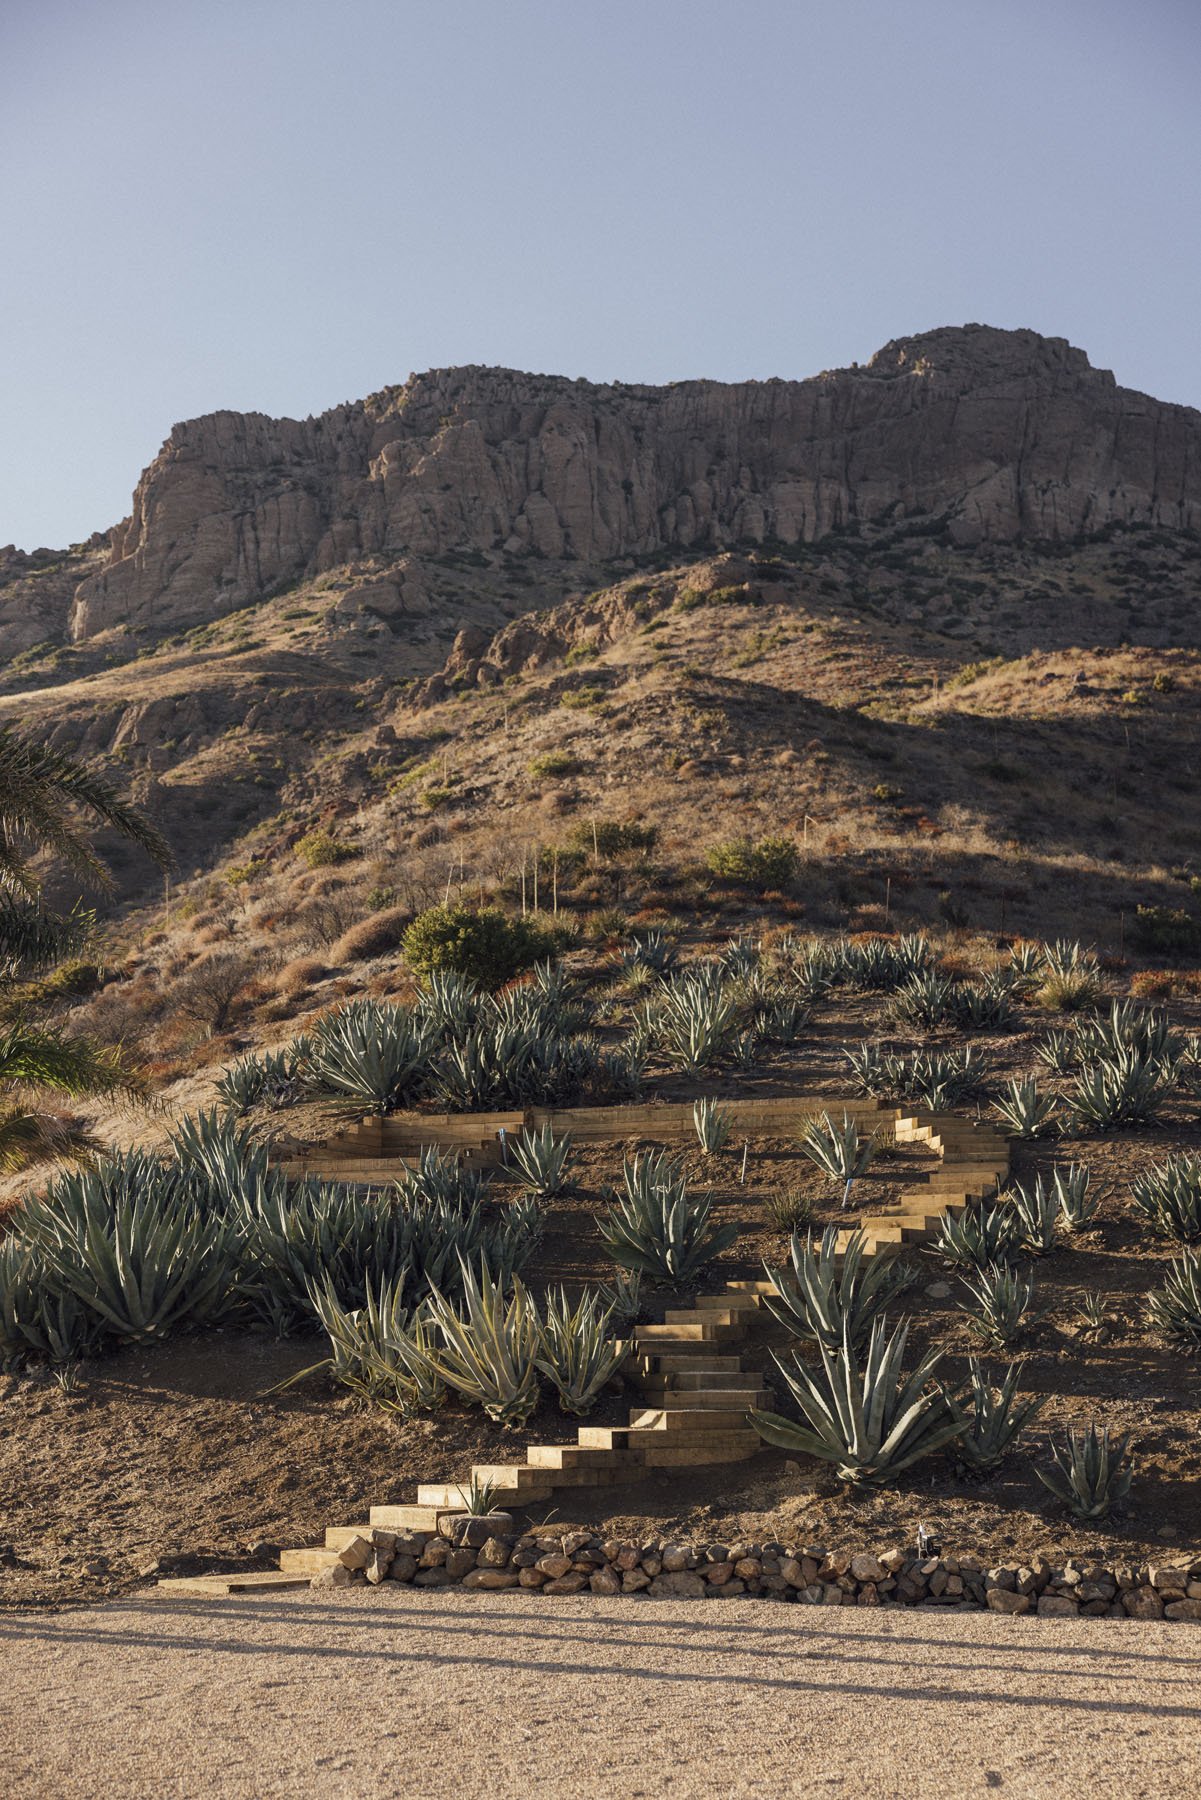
1001 434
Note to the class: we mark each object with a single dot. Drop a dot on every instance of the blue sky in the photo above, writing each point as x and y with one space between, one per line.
275 205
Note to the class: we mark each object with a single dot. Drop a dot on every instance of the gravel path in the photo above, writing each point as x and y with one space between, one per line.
400 1693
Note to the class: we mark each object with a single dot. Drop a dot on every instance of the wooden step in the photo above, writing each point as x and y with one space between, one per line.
708 1399
554 1457
214 1586
750 1287
407 1518
671 1362
705 1331
738 1306
446 1497
687 1418
691 1381
306 1562
338 1536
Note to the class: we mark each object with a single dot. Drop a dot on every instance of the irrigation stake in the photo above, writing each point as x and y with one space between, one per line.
746 1144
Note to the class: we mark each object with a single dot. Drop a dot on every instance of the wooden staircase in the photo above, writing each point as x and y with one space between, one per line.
693 1368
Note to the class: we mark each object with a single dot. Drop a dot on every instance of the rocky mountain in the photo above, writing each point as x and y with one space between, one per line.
991 436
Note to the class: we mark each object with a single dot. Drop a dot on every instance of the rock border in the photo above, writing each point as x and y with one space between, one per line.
579 1561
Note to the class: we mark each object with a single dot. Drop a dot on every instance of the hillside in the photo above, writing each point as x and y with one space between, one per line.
936 616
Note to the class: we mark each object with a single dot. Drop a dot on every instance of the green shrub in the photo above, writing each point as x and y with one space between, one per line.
555 762
320 850
769 863
609 837
1166 931
483 944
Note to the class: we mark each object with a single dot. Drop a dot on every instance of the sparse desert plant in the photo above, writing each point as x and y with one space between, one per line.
1036 1204
541 1159
789 1209
839 1152
1027 1113
833 1295
381 931
868 1418
1078 1206
1169 1197
979 1237
994 1423
579 1353
1089 1474
489 1352
1175 1308
656 1227
1003 1301
555 763
478 1497
1093 1311
712 1125
1071 977
208 992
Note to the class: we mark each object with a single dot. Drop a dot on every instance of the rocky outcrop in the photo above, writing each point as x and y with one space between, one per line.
999 434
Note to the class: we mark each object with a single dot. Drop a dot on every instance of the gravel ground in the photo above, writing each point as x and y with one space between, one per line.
398 1693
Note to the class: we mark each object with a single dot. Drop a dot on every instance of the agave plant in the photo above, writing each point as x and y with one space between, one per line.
653 952
1027 1113
656 1227
371 1051
579 1354
867 1065
37 1316
936 1079
1124 1088
140 1267
979 1237
1038 1210
926 1001
712 1124
867 1418
987 1006
697 1021
1003 1300
842 1154
438 1177
489 1352
478 1497
622 1296
1175 1308
1128 1027
1169 1197
381 1350
833 1294
449 1000
541 1159
994 1422
1077 1206
1059 1050
1089 1474
1026 964
784 1019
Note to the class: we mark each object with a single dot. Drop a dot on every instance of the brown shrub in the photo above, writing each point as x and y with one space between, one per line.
373 936
1166 984
303 972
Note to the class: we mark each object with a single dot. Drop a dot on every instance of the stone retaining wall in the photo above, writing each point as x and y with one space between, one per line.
462 1554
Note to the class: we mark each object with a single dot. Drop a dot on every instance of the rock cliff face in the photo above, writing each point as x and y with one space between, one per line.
1000 434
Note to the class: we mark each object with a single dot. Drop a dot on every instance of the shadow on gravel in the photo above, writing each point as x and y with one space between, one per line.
837 1649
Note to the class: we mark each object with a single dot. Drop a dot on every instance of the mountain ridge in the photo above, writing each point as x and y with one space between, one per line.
991 435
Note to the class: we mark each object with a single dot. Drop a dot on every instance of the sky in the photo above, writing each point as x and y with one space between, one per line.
278 205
